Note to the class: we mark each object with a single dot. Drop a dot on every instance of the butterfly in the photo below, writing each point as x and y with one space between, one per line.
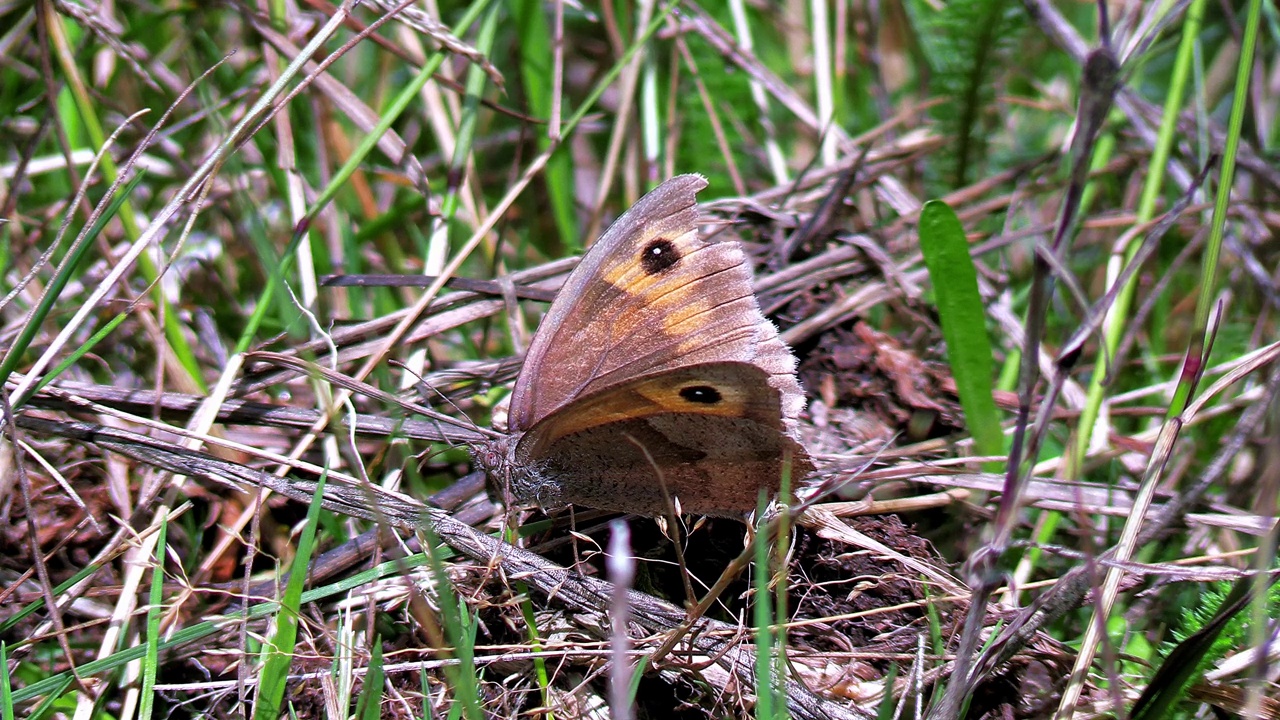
654 381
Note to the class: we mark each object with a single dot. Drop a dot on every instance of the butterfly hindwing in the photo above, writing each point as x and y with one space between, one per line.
710 435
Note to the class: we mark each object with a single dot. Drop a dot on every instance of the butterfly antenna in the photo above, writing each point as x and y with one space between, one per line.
463 420
834 479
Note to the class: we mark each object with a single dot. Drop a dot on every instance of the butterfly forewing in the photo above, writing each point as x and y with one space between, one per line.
650 296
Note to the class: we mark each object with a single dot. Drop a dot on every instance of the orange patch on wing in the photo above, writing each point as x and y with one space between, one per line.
679 307
738 397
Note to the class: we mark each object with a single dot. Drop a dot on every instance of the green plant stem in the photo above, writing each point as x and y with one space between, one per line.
173 330
1117 317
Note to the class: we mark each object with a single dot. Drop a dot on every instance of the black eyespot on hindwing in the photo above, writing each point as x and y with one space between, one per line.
701 394
659 255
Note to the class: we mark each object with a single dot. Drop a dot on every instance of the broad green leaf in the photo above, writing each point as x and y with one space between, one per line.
963 317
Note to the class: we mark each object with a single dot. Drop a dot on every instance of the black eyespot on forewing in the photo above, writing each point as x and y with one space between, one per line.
701 394
659 255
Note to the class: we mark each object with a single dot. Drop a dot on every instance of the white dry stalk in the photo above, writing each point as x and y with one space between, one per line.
777 161
626 98
622 570
137 560
820 32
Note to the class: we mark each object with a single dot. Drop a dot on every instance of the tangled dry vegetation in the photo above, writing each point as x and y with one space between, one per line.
185 356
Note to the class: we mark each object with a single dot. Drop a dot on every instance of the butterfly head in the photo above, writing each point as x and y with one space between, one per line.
510 478
495 458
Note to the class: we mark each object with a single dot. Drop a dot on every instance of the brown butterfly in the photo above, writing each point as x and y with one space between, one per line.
653 378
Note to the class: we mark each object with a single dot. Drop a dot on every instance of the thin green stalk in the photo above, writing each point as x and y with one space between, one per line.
1117 317
535 645
85 108
151 663
762 618
535 53
1213 251
393 112
47 705
782 552
477 81
6 691
460 631
279 648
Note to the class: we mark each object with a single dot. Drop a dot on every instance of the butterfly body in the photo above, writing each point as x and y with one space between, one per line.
654 381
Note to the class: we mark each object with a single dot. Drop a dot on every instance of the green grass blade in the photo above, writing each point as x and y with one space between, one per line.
1230 151
369 707
762 618
54 701
535 645
103 333
460 632
6 692
154 606
278 649
535 70
59 282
